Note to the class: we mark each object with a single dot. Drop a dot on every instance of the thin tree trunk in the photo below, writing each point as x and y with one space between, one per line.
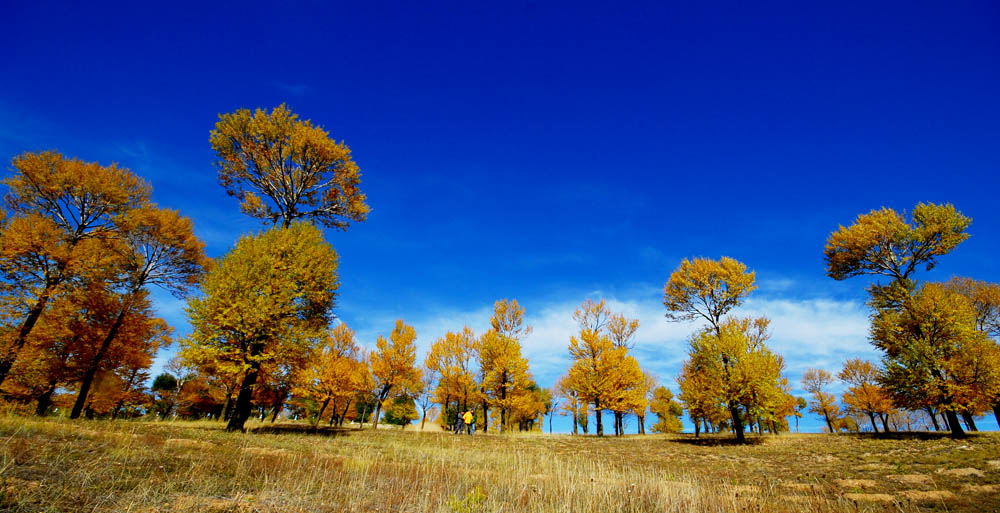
486 411
361 420
95 364
829 425
597 415
885 423
280 406
29 323
933 416
871 415
576 407
996 413
347 406
697 427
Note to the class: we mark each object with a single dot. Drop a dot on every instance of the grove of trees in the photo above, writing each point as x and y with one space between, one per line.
82 245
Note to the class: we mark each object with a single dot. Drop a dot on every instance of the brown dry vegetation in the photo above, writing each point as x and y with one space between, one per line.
55 465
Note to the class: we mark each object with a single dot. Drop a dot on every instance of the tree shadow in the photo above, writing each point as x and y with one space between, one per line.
717 441
301 429
910 435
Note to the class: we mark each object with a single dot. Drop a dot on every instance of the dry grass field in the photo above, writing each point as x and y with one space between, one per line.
55 465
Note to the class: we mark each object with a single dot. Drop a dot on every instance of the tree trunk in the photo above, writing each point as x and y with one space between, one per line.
829 425
996 413
128 386
424 418
280 406
933 416
22 334
871 415
241 412
885 423
88 376
575 408
597 415
486 420
956 428
734 412
697 428
45 400
361 420
227 410
319 416
970 422
347 406
378 411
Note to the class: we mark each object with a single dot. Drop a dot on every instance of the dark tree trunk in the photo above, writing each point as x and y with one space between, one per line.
829 424
319 416
486 419
697 428
241 412
885 423
364 411
277 408
996 413
597 415
577 408
970 422
871 415
45 400
956 428
343 415
227 410
933 416
734 412
95 364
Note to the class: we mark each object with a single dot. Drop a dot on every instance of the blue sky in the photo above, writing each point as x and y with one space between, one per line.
549 152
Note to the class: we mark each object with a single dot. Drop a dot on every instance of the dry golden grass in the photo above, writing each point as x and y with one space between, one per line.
55 465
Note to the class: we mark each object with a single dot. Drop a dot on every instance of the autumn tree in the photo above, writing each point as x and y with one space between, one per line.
708 289
59 212
332 374
506 377
738 369
394 366
668 411
266 301
571 401
452 361
503 373
888 244
816 381
865 394
935 355
154 247
283 169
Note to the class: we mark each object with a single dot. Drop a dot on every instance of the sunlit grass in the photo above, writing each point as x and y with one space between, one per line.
58 465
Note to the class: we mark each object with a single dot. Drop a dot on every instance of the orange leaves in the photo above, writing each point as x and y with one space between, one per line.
295 165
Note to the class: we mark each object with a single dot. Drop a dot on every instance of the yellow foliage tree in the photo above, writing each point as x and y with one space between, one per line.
865 395
265 303
292 163
823 403
394 367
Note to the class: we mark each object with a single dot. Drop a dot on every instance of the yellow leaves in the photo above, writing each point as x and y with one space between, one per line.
295 165
393 363
882 242
706 288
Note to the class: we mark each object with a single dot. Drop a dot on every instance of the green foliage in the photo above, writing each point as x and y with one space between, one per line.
472 502
401 411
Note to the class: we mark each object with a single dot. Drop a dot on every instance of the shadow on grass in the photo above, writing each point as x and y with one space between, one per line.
910 435
299 429
717 441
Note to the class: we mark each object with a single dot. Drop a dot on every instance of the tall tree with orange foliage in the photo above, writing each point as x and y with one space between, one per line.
264 303
283 169
452 360
985 299
154 247
60 210
394 366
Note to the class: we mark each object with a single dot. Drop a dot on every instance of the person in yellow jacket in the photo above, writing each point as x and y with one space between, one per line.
468 418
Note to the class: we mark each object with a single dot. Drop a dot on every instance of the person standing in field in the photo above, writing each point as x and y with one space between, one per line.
468 418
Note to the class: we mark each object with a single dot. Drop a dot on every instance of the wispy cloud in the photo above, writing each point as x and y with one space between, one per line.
293 89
